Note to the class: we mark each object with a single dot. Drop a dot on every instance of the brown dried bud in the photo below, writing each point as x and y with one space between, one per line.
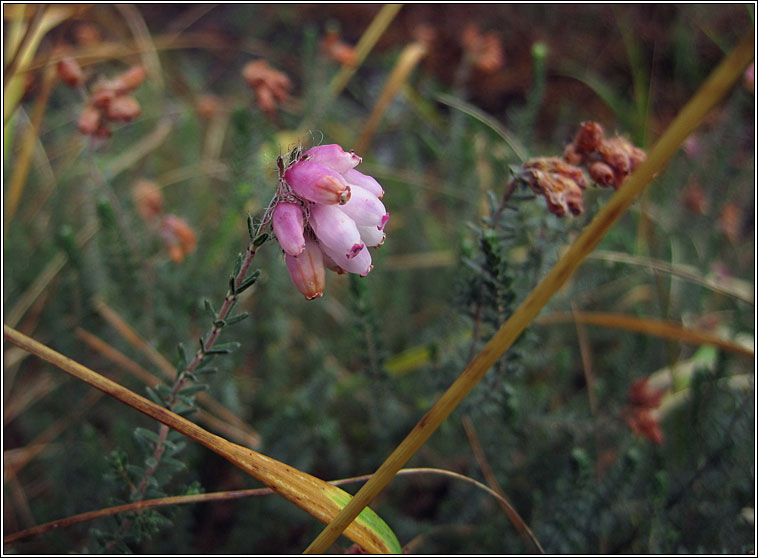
69 72
571 156
270 85
148 199
588 138
337 50
129 80
87 34
602 174
729 222
178 236
123 108
102 95
208 105
484 50
694 199
89 120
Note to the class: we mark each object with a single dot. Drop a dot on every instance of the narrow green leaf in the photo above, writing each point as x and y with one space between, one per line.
237 318
152 394
251 228
146 434
260 239
237 264
210 310
249 282
192 390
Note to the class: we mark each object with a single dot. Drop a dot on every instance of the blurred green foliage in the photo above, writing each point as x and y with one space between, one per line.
317 379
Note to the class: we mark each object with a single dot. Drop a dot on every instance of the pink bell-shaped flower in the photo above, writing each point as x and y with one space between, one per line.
317 183
288 227
307 270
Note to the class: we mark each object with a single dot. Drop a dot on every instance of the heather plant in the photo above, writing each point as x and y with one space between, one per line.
258 358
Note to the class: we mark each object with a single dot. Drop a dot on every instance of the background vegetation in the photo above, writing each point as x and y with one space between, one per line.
332 386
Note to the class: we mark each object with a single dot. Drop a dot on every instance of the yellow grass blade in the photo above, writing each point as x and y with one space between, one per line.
710 93
409 59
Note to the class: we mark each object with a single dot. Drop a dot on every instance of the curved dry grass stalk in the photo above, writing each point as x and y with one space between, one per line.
709 94
223 495
735 288
648 326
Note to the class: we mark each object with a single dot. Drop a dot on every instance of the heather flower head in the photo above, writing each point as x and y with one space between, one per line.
561 184
271 86
608 160
110 102
178 237
326 214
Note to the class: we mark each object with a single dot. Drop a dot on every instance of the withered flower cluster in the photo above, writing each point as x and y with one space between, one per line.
271 86
561 181
608 160
176 234
339 51
639 412
110 102
483 49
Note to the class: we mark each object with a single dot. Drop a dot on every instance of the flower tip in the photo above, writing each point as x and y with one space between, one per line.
345 196
385 218
314 296
367 271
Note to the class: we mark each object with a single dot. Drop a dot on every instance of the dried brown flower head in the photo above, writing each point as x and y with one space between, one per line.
641 401
484 50
69 72
271 86
608 160
695 200
178 236
110 102
123 109
337 50
148 199
561 184
208 105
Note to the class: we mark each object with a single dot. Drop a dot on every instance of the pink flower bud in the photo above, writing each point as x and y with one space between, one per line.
307 270
365 208
288 227
333 157
366 182
317 183
336 231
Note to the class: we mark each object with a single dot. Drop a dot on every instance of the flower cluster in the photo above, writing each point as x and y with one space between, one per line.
641 402
483 49
271 86
177 236
327 215
608 160
111 101
339 51
561 181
